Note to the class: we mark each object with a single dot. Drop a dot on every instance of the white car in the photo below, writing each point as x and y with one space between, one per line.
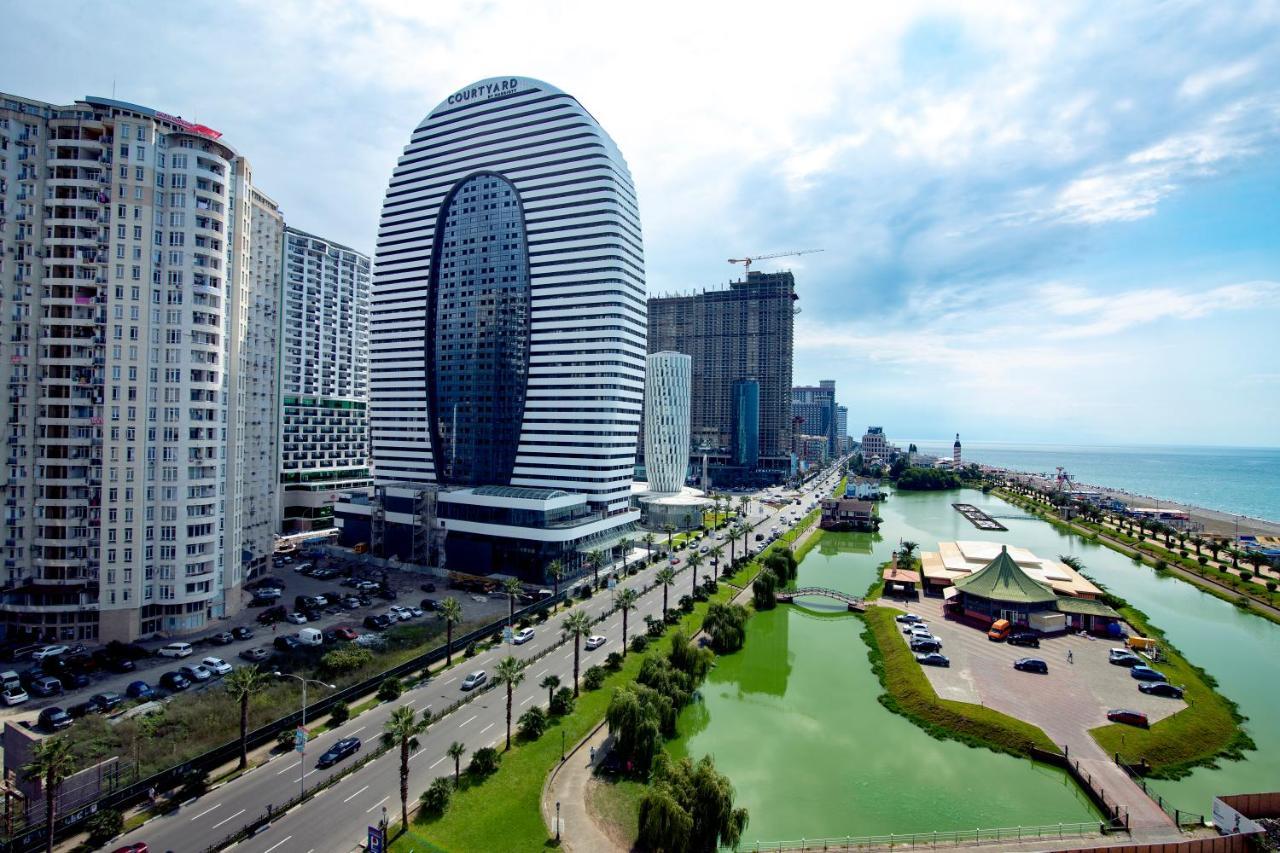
524 635
296 619
909 618
916 628
474 680
416 611
49 652
14 695
217 665
402 613
595 641
371 641
396 614
174 650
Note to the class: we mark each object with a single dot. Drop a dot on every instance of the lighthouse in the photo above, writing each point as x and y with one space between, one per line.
955 452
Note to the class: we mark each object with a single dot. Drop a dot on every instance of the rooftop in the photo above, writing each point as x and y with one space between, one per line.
962 558
1003 580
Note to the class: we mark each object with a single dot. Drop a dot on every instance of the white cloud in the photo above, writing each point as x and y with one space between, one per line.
1202 82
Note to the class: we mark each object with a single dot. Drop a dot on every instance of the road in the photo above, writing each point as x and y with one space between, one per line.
336 818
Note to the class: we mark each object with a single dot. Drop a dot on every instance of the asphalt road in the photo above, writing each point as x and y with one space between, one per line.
336 819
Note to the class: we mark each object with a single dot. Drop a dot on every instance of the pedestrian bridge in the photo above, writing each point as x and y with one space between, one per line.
854 602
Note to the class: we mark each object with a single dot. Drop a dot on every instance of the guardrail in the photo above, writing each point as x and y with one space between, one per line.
925 840
1181 817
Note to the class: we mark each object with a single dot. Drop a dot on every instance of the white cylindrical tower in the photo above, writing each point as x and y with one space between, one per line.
668 381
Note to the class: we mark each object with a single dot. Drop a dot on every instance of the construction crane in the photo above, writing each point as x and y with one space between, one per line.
746 262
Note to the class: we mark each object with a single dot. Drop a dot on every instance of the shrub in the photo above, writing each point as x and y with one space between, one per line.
686 604
613 662
533 723
562 702
104 826
543 616
640 641
593 678
764 590
1271 586
284 739
345 659
653 627
1202 560
710 585
1161 565
1246 575
484 762
390 690
435 800
339 713
471 649
1184 553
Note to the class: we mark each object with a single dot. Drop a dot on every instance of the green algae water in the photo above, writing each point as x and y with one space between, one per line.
794 720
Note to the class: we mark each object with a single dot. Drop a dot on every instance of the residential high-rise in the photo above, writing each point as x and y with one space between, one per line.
842 428
744 450
135 338
815 406
666 420
324 379
507 330
746 331
875 444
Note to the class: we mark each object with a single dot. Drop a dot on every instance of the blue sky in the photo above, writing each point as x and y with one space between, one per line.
1047 223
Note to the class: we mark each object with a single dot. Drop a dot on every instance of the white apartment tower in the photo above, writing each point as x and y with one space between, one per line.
668 381
324 383
131 363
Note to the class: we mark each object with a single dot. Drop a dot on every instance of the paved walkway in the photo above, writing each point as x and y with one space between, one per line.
578 829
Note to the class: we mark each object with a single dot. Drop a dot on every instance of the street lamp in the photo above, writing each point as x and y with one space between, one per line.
302 762
557 821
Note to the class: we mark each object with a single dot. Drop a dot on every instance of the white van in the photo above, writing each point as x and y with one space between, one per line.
175 650
311 637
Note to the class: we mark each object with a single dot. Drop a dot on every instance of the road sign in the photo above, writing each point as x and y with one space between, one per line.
375 840
613 581
300 739
507 634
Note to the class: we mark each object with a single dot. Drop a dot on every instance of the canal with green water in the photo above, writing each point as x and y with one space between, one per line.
794 721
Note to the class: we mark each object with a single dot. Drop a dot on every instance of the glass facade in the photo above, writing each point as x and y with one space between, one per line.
478 332
746 422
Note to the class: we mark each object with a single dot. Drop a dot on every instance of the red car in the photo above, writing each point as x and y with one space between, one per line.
136 847
1133 718
345 633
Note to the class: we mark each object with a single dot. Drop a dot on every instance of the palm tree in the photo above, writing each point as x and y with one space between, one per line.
402 728
744 501
509 671
1199 542
455 751
695 560
669 529
242 683
626 601
1071 561
716 554
51 763
512 588
549 684
648 547
595 560
577 624
557 571
625 544
451 610
666 576
907 551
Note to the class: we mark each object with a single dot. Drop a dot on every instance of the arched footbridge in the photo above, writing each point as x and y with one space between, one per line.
854 602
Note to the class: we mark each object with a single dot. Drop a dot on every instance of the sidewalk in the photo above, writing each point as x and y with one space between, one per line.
568 788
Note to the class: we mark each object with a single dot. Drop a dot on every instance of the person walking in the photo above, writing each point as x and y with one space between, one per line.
1070 657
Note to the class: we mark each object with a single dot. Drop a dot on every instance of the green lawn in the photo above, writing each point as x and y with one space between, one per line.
909 693
615 802
1207 729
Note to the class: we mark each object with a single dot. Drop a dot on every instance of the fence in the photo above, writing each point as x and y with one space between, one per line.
925 840
1117 815
1181 817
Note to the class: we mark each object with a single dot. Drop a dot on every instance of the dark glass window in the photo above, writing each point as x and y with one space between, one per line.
478 332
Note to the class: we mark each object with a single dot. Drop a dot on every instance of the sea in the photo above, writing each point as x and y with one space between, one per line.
1236 480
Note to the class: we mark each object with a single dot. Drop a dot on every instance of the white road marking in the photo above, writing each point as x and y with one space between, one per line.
206 811
371 808
539 675
527 701
460 725
356 794
224 820
438 760
277 844
357 731
486 728
450 681
290 767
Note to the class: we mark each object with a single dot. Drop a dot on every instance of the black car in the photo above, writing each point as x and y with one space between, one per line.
925 646
1024 638
101 703
288 643
255 655
54 718
1031 665
73 680
174 681
428 587
112 663
222 638
128 651
1161 688
340 750
272 614
377 622
242 633
430 604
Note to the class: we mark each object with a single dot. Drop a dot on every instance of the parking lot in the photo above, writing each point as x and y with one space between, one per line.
1071 699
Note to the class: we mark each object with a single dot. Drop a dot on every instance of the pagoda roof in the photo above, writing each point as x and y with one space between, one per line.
1004 580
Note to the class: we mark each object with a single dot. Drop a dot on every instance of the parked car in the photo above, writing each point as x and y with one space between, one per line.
908 618
999 630
139 690
49 651
522 636
74 680
174 681
101 703
255 655
287 643
114 664
53 719
216 665
917 629
222 638
595 641
296 618
340 750
429 604
1161 688
377 622
416 612
44 685
272 614
428 587
14 695
1123 657
349 603
342 632
1123 715
175 650
1024 638
1142 672
196 672
474 680
933 659
1031 665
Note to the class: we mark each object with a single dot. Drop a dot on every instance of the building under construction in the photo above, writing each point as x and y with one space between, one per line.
744 332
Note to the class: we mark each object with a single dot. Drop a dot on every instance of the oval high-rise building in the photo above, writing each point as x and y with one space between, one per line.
666 420
508 315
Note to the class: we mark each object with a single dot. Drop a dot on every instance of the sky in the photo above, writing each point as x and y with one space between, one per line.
1049 223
